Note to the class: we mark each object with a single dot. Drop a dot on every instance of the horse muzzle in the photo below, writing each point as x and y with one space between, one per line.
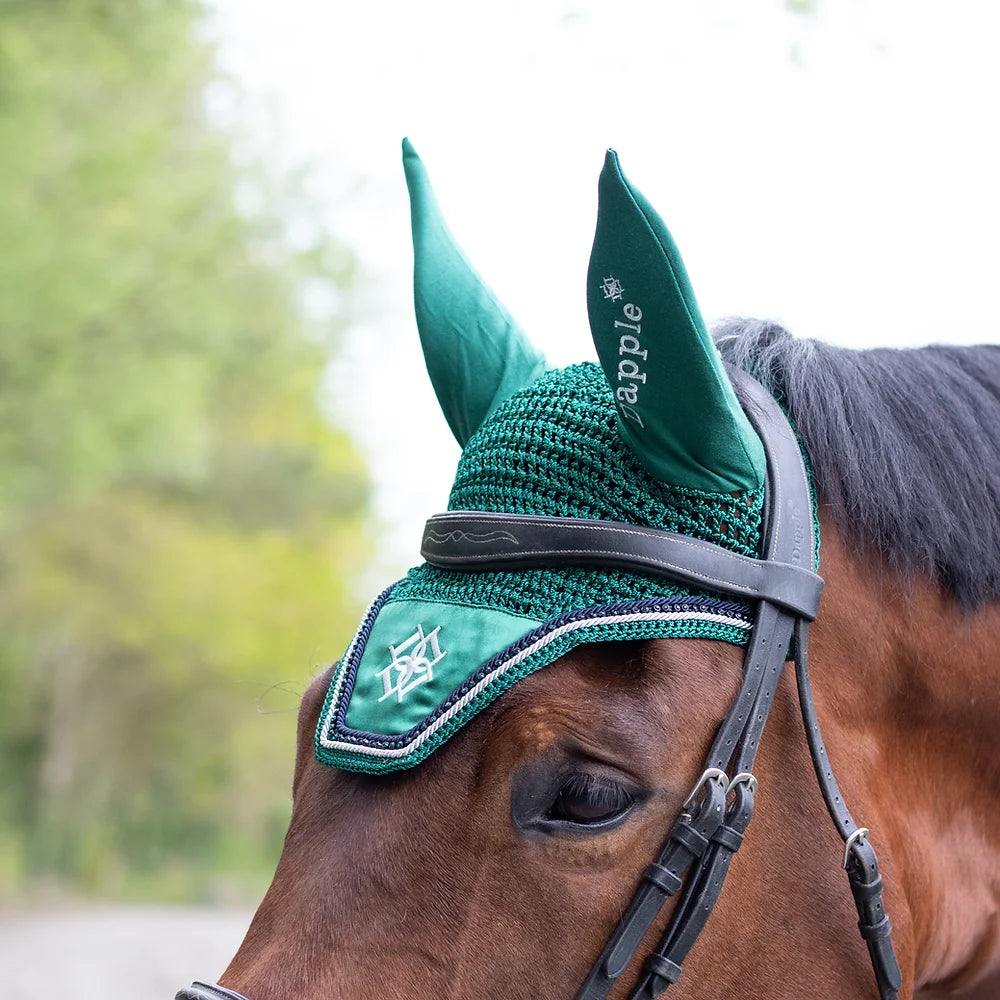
207 991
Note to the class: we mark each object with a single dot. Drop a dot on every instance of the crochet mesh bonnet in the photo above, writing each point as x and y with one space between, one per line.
653 436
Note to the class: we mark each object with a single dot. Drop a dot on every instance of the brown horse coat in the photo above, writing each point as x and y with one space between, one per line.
417 886
427 884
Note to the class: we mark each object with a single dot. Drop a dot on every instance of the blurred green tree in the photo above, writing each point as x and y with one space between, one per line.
178 522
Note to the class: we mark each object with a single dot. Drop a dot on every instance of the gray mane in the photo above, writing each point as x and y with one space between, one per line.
904 444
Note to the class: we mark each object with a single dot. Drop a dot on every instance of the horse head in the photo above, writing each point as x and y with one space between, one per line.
531 771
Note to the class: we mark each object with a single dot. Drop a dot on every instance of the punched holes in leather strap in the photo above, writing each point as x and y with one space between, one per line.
689 838
662 878
867 890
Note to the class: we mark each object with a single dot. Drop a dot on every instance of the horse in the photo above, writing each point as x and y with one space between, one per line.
500 853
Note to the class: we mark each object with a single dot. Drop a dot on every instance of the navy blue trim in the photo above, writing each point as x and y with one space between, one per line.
342 733
360 641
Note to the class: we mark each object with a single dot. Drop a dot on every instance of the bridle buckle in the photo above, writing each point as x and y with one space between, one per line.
710 774
859 834
743 778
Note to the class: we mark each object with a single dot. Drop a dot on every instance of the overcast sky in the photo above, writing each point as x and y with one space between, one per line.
837 171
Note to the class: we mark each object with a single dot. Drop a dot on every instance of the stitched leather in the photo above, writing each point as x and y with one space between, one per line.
663 968
690 838
699 899
663 879
480 541
788 594
788 537
862 863
729 837
788 541
649 897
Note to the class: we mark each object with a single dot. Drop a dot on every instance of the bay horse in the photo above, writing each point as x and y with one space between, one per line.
494 860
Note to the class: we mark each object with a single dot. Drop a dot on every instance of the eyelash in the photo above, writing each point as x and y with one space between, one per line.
608 799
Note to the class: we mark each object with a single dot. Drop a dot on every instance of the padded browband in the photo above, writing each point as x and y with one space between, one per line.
481 541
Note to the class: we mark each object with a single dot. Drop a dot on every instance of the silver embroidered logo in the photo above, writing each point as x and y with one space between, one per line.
612 289
412 663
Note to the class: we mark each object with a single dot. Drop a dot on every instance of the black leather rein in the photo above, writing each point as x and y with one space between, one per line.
695 857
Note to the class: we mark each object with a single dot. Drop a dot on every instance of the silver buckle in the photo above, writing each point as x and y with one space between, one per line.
710 774
743 778
861 832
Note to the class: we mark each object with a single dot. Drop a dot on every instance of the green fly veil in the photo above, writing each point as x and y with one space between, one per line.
652 436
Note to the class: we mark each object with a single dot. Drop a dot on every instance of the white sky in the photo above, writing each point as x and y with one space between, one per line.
837 171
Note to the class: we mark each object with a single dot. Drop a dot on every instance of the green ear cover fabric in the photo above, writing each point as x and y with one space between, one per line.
676 407
476 354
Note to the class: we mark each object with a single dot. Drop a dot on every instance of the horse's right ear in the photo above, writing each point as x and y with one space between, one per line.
476 354
677 410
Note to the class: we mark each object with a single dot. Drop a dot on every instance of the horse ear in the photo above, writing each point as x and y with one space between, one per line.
476 354
676 407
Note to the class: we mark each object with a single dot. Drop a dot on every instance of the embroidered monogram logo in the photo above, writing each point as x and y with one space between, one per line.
411 665
612 289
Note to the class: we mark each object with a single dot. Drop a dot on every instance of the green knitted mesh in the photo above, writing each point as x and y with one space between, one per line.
553 449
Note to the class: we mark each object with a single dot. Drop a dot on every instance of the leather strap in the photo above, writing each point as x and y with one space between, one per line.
788 541
708 832
475 540
207 991
663 967
859 859
660 881
788 536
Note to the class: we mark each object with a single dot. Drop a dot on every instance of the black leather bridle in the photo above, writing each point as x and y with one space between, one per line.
207 991
695 856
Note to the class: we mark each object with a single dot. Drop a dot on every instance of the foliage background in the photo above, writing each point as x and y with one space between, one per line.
179 521
181 525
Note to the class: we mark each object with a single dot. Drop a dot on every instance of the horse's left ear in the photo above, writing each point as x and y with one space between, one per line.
476 354
676 407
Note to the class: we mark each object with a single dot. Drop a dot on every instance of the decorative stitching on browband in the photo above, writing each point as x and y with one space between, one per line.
440 538
677 539
590 526
744 576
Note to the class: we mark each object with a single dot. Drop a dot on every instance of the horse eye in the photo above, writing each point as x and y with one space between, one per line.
586 800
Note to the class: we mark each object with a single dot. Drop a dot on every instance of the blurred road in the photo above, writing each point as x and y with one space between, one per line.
92 952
